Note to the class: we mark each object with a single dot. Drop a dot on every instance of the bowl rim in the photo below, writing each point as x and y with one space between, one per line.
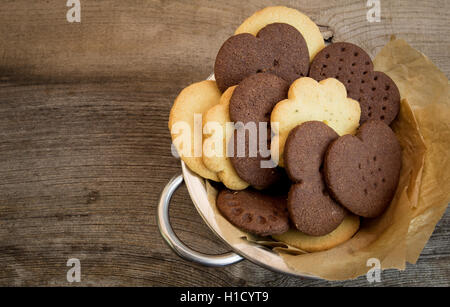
196 187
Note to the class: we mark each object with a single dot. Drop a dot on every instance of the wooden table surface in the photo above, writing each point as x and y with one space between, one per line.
84 144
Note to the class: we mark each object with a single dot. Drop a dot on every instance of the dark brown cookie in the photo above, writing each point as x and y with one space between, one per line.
362 171
255 97
251 104
377 94
278 48
254 212
310 207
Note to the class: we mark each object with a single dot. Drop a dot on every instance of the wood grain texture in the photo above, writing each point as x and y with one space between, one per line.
84 144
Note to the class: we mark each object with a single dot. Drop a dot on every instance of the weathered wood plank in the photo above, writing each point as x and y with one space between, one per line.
84 145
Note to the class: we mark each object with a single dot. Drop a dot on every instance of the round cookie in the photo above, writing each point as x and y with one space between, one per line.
254 212
293 17
344 232
376 92
278 48
311 208
362 171
217 134
252 103
195 99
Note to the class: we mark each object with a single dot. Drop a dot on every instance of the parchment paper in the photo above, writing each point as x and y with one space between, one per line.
399 235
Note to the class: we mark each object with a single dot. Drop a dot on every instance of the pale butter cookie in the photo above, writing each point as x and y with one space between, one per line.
195 99
343 233
309 100
216 132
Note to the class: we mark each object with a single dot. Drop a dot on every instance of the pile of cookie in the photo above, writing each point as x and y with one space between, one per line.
322 113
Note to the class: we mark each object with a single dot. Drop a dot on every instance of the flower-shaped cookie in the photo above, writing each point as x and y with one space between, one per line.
309 100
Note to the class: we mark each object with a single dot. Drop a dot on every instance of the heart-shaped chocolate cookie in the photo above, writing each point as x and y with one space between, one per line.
377 94
251 104
311 209
278 48
254 212
362 171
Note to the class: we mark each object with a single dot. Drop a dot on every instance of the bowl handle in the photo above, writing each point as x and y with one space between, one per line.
172 240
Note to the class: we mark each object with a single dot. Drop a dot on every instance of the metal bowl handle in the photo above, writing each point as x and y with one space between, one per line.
172 240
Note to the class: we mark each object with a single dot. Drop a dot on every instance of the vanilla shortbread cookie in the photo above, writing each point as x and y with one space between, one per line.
341 234
216 159
282 14
309 100
195 99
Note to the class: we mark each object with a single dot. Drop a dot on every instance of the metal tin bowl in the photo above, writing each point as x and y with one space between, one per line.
243 250
196 186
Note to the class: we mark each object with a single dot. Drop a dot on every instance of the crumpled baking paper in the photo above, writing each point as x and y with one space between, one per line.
400 234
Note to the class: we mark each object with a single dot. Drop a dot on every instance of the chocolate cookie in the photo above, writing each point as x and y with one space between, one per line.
251 104
254 211
362 171
278 48
311 209
377 94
